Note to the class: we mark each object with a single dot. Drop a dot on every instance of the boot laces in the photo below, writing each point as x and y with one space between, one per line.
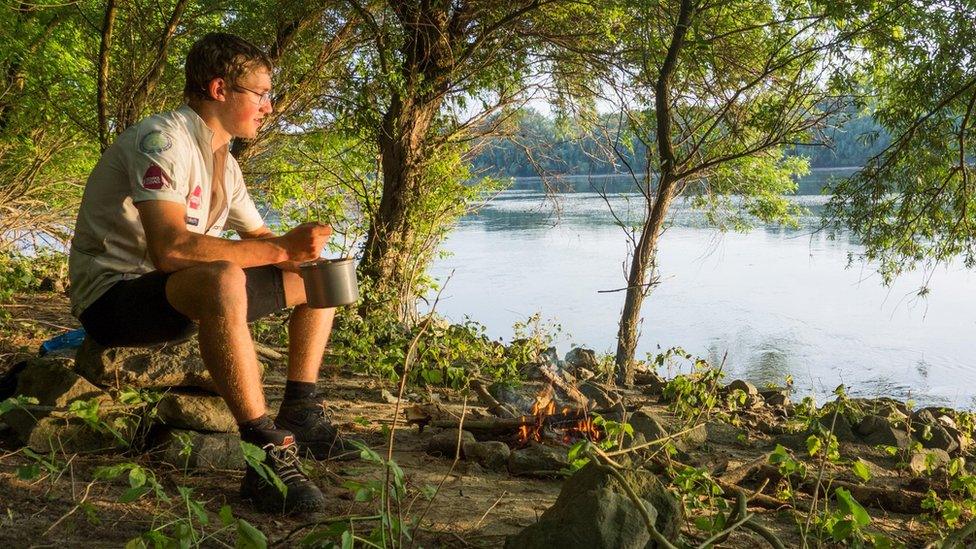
286 463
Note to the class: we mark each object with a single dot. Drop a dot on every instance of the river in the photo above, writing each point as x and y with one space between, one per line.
775 301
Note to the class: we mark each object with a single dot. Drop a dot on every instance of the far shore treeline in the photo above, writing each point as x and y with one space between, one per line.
540 146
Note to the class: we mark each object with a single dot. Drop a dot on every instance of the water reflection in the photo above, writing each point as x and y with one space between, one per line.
780 300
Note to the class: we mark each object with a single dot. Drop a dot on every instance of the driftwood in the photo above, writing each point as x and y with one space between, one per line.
896 500
568 389
494 407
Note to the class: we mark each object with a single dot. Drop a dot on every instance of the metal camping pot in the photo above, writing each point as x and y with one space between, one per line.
330 282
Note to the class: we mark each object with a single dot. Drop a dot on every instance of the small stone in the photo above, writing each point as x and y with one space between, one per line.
748 388
938 437
779 398
492 455
839 426
598 396
594 511
388 397
928 460
445 443
582 358
199 412
201 451
538 460
583 374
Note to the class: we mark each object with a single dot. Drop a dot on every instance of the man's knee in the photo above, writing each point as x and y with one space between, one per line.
214 287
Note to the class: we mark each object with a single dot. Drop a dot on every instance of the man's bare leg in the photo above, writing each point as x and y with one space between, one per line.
214 295
308 332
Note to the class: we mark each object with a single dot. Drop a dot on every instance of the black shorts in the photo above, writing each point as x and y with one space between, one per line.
136 313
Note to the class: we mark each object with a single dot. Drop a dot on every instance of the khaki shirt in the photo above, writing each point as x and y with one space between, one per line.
164 157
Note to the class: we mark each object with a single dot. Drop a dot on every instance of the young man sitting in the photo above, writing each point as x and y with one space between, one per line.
148 264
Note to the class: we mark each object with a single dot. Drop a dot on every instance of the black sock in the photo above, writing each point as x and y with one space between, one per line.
296 391
256 431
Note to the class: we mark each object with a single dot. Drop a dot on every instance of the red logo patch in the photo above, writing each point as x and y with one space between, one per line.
154 178
194 202
288 441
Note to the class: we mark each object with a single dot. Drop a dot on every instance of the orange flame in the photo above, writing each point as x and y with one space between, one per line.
543 407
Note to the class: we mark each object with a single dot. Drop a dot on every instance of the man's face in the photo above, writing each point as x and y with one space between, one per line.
246 108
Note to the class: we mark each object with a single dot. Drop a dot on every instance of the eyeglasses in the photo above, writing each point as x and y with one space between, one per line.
263 98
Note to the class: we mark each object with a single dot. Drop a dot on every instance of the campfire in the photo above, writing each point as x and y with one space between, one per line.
567 426
545 420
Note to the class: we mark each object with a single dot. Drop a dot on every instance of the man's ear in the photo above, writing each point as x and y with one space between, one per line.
218 89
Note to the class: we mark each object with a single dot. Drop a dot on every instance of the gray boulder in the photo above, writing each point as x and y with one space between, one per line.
877 430
53 384
936 436
445 443
650 426
199 412
161 366
927 460
594 512
538 460
492 455
200 451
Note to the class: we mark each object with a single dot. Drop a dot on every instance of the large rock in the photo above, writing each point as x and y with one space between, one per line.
170 365
928 460
72 436
650 426
206 451
877 430
199 412
53 384
445 443
538 460
492 455
594 512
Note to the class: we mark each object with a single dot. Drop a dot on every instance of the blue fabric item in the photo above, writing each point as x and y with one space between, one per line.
67 340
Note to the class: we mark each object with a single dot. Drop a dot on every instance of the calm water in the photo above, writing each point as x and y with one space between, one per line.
778 301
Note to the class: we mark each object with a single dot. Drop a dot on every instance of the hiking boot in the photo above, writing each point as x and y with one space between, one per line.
302 496
315 434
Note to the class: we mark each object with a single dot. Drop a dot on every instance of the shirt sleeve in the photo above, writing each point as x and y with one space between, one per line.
158 164
244 215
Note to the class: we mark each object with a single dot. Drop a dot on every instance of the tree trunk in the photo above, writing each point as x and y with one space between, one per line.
637 279
392 257
104 52
638 282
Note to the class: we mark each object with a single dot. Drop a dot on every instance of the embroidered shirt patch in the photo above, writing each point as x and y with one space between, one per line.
154 178
154 142
194 202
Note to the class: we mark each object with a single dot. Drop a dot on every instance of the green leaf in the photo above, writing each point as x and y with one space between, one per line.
226 515
133 494
813 445
850 506
249 537
861 470
347 540
28 472
137 477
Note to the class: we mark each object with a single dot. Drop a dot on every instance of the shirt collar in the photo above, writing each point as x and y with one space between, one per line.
201 131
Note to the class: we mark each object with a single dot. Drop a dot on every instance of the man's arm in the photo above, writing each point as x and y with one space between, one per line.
172 247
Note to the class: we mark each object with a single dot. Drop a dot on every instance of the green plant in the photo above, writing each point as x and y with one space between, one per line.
696 394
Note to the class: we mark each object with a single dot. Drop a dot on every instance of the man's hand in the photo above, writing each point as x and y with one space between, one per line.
304 243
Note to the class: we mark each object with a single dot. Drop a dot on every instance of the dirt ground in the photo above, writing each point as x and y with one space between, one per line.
474 507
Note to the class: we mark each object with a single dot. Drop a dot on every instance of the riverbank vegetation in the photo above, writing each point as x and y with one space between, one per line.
394 119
